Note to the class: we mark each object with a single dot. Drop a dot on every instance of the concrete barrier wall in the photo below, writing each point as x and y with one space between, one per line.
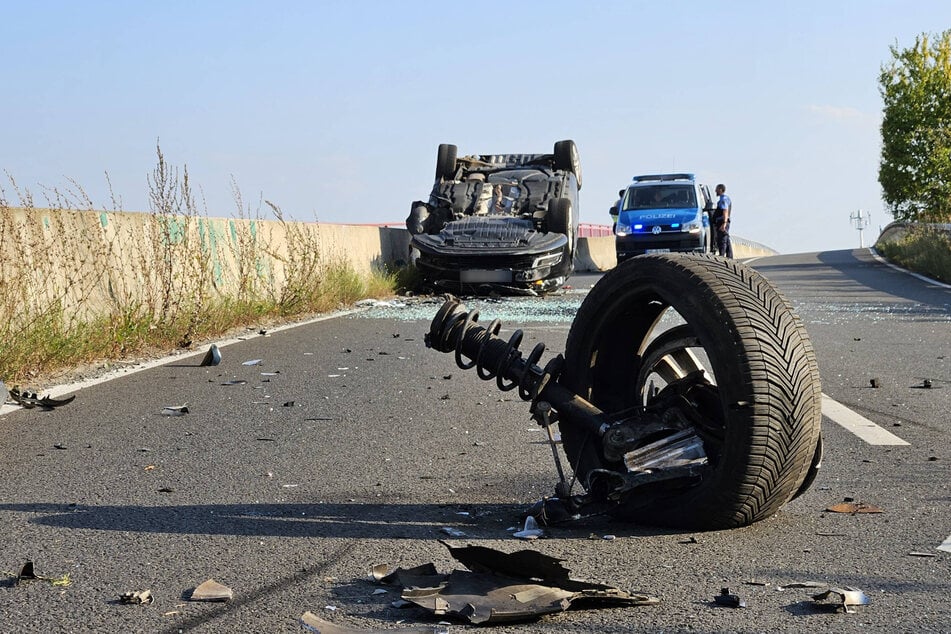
598 254
89 261
897 231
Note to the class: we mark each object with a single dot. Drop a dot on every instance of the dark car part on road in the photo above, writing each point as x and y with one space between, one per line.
688 394
729 600
504 587
498 222
29 400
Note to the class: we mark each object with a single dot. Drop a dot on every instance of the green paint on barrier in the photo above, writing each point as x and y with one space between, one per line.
103 219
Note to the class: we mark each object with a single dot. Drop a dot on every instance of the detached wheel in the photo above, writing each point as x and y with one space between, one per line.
658 318
567 158
446 161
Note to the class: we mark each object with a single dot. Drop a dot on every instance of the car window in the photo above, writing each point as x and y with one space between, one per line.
660 197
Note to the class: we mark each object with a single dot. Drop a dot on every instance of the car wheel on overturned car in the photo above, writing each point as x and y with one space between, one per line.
558 219
567 158
756 350
446 161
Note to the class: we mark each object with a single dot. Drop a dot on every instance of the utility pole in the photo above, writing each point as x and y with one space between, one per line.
860 219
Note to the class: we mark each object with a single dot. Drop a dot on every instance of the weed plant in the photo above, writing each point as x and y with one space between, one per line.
925 250
80 285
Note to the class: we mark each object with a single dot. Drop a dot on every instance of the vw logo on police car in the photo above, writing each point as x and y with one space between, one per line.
656 229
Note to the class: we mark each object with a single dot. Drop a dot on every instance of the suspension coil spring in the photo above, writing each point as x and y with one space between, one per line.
456 329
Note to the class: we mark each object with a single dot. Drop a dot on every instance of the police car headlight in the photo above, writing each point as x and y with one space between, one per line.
692 227
622 229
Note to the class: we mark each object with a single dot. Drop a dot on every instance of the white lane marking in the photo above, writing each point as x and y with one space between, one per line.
69 388
858 424
946 545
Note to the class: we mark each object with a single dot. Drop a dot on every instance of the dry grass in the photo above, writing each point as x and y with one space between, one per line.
165 288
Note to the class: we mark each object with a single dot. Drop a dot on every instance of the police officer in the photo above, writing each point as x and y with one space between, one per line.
721 220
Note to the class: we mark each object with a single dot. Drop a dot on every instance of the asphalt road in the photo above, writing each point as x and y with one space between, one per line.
363 444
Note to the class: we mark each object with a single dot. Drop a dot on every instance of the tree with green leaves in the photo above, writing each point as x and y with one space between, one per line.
915 170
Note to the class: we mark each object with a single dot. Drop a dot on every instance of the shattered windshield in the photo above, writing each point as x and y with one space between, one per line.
660 197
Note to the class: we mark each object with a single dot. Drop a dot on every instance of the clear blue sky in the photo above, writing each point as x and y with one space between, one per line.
334 110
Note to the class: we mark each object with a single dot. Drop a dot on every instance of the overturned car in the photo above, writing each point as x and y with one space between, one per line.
500 222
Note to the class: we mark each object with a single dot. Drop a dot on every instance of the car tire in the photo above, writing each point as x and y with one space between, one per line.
768 400
446 161
559 220
567 159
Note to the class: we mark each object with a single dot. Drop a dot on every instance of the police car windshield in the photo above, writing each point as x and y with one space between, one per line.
660 197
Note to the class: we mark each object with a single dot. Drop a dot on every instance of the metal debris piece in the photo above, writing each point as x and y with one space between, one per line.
288 404
253 362
875 383
174 410
505 587
212 357
29 400
729 600
140 597
854 507
803 584
916 553
235 382
531 530
211 590
845 597
313 623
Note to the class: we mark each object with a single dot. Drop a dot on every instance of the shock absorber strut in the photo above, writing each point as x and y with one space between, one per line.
456 329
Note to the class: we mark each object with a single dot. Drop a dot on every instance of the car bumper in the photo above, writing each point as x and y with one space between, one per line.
641 243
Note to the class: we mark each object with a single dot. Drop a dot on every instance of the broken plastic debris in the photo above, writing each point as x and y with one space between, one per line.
916 553
253 362
174 410
727 599
140 597
875 383
29 400
531 530
211 590
854 507
506 587
212 357
27 573
235 382
845 597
